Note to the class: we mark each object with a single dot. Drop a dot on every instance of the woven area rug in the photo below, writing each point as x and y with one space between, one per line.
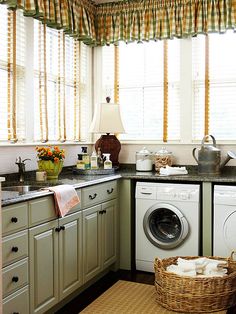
128 297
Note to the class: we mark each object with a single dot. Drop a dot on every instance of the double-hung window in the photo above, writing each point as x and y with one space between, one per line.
175 90
148 88
45 82
12 75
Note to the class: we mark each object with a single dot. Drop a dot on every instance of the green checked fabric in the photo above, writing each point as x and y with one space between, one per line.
143 20
75 17
131 20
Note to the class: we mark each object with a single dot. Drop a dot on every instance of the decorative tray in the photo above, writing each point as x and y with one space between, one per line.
93 171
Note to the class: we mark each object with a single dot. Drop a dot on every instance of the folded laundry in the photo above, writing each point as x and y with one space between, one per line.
204 267
173 170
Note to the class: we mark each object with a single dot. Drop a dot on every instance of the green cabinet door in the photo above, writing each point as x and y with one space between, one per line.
43 259
70 254
92 242
109 233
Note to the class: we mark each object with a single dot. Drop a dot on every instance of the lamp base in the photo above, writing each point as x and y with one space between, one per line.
109 144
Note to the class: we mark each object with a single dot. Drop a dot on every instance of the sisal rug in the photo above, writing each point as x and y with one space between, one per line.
126 297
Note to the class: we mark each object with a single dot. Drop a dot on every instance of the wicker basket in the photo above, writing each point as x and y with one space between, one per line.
195 294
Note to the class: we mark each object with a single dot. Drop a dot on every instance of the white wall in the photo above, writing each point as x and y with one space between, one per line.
182 154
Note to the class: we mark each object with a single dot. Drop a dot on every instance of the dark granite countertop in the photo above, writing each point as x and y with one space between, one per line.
126 172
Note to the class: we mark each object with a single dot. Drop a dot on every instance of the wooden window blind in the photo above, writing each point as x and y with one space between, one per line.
214 86
148 88
65 103
12 74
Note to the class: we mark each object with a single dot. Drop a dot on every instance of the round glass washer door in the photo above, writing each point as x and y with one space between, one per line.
230 231
165 226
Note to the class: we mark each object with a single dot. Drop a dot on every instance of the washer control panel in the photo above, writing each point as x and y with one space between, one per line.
166 191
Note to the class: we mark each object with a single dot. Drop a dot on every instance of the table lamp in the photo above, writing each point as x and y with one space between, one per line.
107 119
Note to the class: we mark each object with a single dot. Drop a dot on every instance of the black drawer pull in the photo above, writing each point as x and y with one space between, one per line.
110 191
100 212
57 229
93 197
14 219
14 249
62 227
104 211
15 279
16 313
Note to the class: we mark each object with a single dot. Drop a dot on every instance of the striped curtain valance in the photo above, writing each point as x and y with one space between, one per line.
75 17
144 20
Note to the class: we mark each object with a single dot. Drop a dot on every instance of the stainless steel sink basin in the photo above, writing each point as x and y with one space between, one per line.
21 189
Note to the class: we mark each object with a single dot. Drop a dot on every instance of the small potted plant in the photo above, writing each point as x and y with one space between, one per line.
50 160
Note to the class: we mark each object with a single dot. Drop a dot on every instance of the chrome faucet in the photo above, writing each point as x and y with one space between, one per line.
21 164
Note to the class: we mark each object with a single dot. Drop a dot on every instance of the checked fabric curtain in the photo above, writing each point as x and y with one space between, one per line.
144 20
75 17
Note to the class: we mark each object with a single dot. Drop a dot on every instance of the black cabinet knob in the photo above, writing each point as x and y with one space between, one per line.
92 197
62 228
15 279
14 219
14 249
57 229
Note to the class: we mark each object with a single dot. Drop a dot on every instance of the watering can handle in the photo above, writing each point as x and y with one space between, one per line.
206 137
194 156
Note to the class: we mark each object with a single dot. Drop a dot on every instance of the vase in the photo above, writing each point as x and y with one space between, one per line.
53 169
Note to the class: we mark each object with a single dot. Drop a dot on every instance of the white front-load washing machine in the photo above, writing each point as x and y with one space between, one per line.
224 231
167 222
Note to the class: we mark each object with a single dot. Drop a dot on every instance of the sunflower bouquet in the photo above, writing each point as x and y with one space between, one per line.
53 153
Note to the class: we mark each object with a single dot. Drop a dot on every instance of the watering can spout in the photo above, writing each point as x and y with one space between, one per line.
230 155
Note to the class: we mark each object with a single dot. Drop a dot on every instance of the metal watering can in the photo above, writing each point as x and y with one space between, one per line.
209 157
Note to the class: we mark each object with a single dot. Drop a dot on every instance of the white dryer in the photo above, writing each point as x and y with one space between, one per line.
167 222
224 238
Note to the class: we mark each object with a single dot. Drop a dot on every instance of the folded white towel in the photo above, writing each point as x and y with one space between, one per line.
173 170
178 271
202 266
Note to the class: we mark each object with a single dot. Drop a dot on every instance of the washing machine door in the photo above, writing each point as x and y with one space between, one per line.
165 226
230 231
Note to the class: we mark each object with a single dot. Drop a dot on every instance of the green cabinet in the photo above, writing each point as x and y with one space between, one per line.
55 261
43 256
99 238
70 254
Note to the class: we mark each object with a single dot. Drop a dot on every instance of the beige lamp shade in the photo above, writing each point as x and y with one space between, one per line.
107 119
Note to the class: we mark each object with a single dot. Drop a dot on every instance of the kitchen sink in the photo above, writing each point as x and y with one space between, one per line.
21 189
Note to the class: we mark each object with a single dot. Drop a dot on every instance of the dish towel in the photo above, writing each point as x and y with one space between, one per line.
65 198
168 171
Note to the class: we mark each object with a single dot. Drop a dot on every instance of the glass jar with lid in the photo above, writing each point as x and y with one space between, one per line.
162 159
144 160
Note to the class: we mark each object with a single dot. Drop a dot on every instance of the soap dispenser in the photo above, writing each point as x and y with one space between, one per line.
107 162
94 160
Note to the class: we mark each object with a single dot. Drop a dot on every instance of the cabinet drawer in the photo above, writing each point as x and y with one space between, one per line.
15 276
14 218
41 210
17 302
78 206
99 193
14 247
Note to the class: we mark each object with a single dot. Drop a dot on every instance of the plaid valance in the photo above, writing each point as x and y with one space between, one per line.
143 20
131 20
75 17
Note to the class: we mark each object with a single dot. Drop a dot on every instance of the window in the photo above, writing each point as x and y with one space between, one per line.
141 88
201 78
12 75
56 68
221 67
